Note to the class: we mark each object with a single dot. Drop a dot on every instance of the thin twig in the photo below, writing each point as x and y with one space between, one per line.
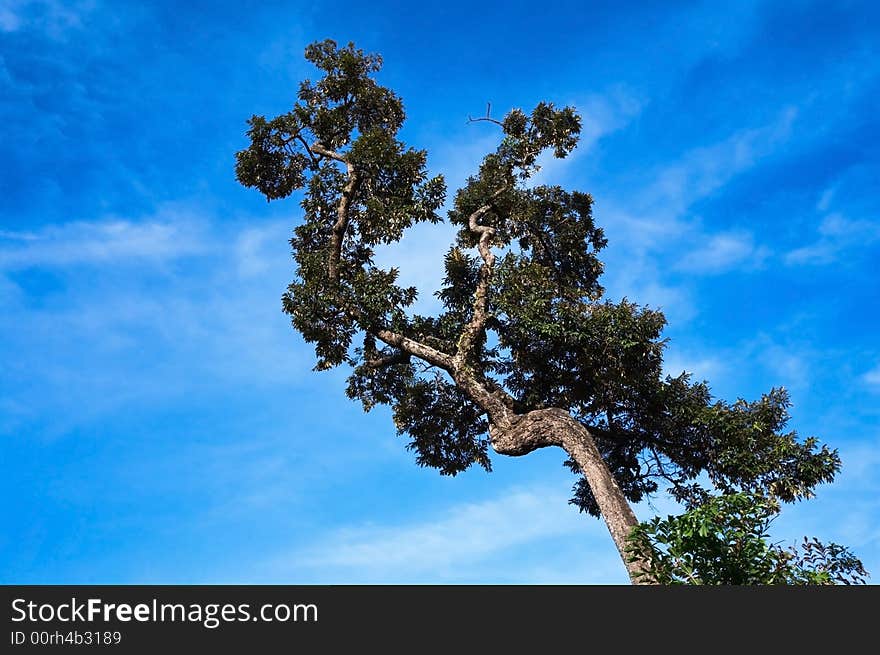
486 118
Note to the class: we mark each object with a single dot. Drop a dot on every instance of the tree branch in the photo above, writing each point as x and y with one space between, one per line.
342 210
496 403
416 348
403 343
486 118
475 328
315 160
326 152
387 360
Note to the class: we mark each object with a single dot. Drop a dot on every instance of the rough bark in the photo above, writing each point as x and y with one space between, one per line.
555 427
476 327
415 348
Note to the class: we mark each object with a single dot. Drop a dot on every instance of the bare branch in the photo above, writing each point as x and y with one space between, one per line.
486 118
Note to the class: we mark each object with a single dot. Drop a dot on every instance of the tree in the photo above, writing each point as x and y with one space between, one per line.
724 540
526 353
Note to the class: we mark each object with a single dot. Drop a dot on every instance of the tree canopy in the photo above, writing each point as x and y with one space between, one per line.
725 541
526 351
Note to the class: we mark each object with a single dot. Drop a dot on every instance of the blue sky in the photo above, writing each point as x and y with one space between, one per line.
159 419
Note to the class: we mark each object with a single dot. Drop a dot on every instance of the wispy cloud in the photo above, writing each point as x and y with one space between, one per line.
445 547
872 377
602 114
254 247
650 228
10 21
777 358
167 235
702 171
53 17
825 199
723 252
129 328
701 367
658 208
837 235
784 364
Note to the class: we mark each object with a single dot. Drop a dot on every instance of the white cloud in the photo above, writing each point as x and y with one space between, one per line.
601 114
837 235
12 235
167 235
649 229
419 258
52 17
257 247
861 460
786 365
127 328
825 199
702 368
818 253
638 277
779 358
724 251
605 113
449 546
872 377
702 171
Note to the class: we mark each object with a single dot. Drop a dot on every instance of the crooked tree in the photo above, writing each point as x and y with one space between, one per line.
526 353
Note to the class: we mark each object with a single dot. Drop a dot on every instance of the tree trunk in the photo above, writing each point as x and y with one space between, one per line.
555 427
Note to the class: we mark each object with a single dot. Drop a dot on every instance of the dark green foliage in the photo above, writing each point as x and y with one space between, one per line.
549 338
271 164
526 137
344 108
739 447
724 541
447 431
346 99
